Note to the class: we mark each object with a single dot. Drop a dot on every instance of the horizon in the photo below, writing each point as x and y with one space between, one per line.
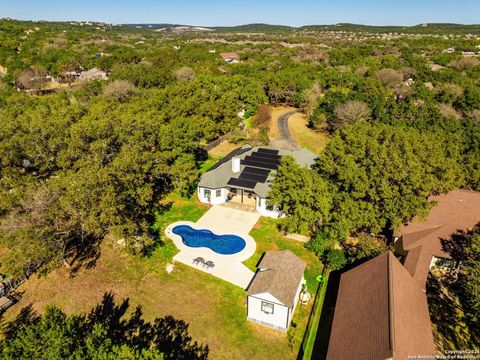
213 13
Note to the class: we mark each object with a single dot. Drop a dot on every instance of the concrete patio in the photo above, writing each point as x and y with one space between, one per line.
220 220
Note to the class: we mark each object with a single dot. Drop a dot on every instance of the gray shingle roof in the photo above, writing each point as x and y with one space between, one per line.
219 175
280 275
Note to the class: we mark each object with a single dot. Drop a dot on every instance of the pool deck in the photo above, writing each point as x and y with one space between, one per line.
221 221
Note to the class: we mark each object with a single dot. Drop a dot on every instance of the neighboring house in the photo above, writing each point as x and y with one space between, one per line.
421 243
274 291
230 57
93 74
244 176
381 313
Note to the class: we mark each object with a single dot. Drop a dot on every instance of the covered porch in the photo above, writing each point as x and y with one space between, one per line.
244 197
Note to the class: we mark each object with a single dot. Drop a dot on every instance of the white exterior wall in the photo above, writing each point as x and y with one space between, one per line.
214 200
297 297
262 209
280 319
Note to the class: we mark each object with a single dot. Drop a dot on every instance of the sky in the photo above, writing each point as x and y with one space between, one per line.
231 12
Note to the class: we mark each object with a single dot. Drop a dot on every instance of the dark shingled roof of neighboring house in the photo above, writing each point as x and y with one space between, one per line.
455 211
381 313
280 274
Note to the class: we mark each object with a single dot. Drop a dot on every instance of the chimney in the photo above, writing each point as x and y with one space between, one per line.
236 164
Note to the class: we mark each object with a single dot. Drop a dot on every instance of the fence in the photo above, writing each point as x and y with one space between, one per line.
308 341
217 142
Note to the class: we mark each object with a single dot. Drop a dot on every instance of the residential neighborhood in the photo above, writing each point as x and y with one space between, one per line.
213 180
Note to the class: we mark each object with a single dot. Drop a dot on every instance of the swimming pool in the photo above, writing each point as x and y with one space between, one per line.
221 244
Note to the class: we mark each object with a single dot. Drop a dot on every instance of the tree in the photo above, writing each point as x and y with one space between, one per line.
335 259
464 248
389 78
464 63
32 78
383 175
185 74
263 117
119 89
303 195
363 246
105 333
350 113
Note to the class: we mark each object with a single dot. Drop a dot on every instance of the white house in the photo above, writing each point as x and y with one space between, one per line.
274 291
244 176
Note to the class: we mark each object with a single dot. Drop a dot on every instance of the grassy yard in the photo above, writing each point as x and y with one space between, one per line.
268 238
223 149
214 308
305 137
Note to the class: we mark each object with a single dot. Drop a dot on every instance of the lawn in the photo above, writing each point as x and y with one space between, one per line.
268 237
305 137
223 149
214 308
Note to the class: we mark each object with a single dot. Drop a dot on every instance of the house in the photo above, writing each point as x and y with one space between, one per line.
244 177
274 291
421 243
381 313
230 57
93 74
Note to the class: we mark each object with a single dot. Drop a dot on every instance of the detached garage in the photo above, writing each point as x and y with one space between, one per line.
274 291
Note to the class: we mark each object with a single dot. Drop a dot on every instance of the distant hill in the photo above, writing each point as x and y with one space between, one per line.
254 28
427 28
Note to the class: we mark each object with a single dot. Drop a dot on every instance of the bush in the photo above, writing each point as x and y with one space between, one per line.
389 78
350 113
336 259
364 247
119 89
185 74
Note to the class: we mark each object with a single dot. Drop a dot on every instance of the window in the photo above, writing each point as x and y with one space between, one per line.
218 193
267 307
207 193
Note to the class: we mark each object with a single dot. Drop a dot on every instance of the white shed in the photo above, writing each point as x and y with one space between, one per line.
274 291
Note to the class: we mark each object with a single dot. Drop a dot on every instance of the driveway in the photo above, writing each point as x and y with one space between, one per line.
220 220
285 141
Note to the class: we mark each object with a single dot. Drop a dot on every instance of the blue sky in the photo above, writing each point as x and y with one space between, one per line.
225 12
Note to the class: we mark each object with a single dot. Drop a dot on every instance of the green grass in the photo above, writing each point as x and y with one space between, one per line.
314 322
214 309
207 164
268 237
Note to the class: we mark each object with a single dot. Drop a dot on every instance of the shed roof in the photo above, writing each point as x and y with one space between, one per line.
380 313
280 274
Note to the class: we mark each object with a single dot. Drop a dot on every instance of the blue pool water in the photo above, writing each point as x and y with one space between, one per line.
221 244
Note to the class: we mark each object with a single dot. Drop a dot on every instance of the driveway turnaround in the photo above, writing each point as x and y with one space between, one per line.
220 220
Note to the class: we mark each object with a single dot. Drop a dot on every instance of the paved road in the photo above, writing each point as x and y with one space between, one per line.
285 141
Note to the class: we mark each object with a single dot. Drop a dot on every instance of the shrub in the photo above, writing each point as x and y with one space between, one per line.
119 89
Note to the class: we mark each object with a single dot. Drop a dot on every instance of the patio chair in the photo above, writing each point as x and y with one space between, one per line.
199 260
209 264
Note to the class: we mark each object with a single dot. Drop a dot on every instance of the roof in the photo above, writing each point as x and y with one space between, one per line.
455 211
381 313
280 274
221 173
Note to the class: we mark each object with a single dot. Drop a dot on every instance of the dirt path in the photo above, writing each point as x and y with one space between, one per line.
285 139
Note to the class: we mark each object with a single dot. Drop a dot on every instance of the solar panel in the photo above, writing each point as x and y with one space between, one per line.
265 159
267 151
268 158
266 155
253 177
247 184
255 163
256 171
